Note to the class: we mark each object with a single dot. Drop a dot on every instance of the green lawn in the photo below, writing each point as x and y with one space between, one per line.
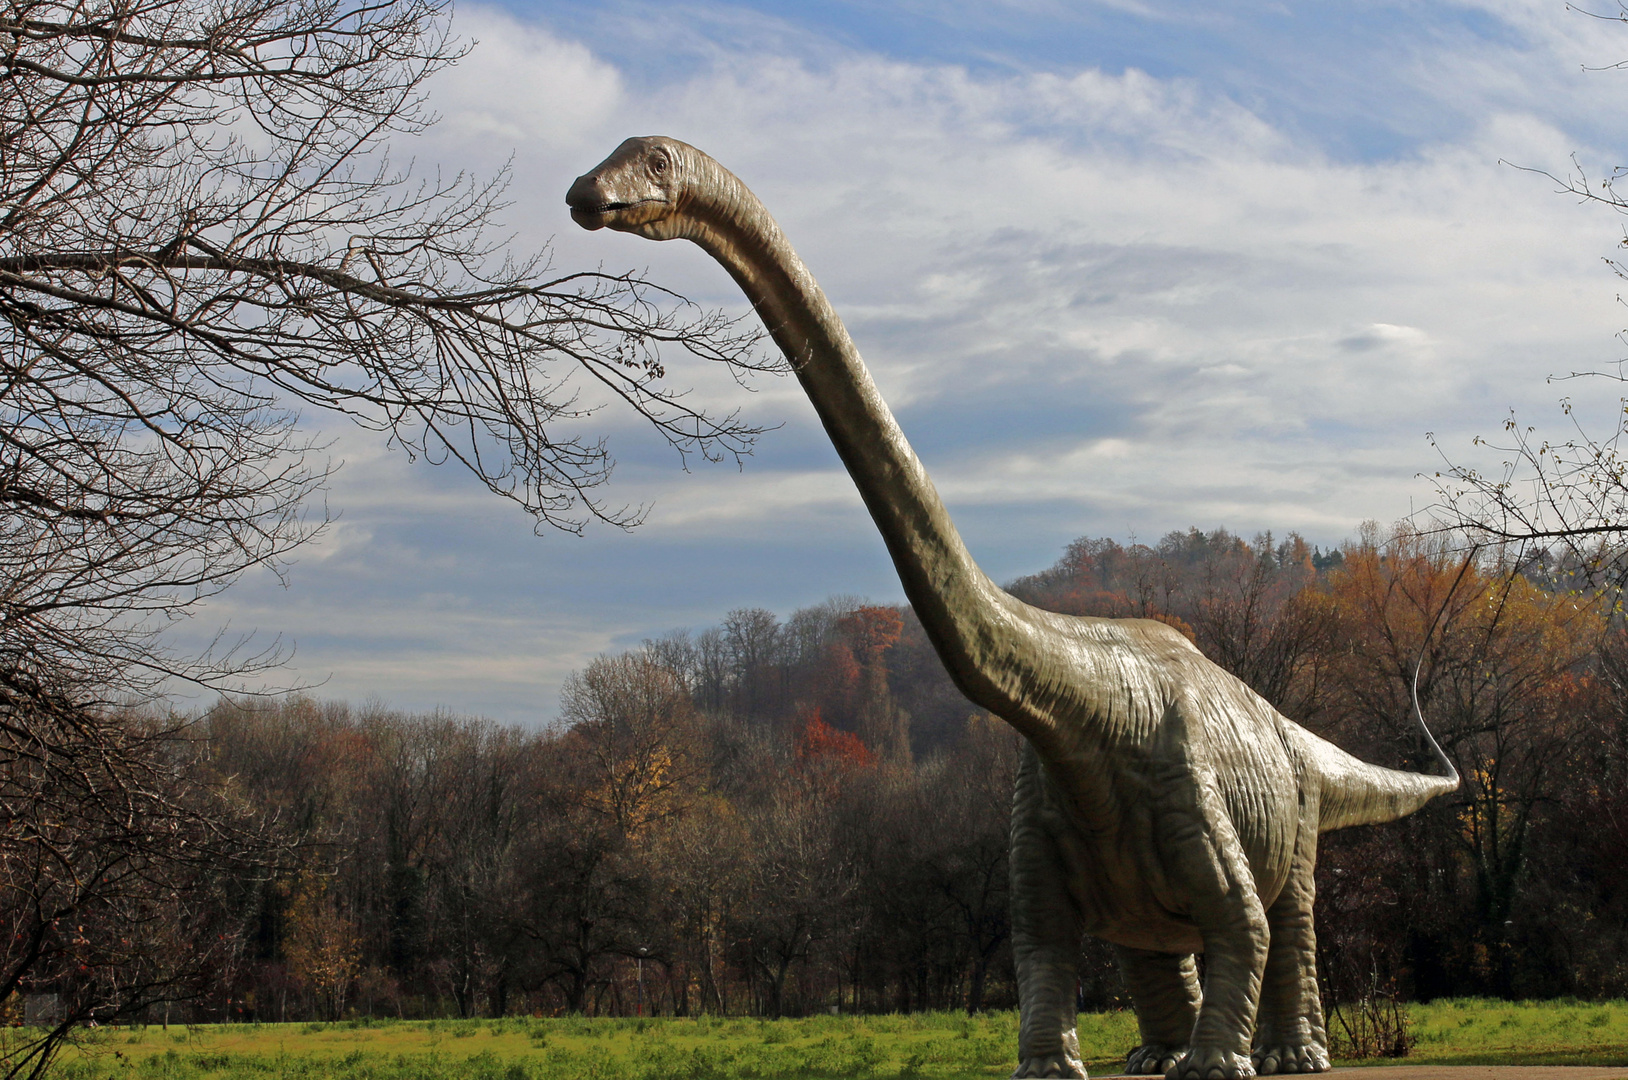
937 1045
1477 1032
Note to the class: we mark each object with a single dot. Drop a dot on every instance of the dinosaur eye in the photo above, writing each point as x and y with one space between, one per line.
658 163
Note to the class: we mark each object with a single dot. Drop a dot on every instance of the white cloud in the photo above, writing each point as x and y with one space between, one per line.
522 84
1110 302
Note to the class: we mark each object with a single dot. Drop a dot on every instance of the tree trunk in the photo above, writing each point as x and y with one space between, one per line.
975 992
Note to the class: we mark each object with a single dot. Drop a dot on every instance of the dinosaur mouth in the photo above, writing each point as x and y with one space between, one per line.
600 209
592 215
605 208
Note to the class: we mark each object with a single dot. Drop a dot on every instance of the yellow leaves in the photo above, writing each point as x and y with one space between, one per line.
634 789
323 950
1484 617
1487 815
634 728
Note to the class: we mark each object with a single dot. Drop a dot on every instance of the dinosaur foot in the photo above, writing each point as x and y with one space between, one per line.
1153 1059
1308 1058
1064 1066
1210 1063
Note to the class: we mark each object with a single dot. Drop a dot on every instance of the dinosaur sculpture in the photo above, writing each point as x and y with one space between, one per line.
1161 804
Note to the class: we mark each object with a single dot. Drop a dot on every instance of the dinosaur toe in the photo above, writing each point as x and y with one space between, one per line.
1308 1058
1062 1066
1211 1063
1153 1059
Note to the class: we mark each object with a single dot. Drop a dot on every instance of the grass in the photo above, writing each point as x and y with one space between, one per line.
1469 1031
939 1046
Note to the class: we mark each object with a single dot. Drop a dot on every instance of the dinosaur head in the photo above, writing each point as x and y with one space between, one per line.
641 188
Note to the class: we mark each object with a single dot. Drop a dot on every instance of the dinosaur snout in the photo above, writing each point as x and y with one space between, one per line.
588 201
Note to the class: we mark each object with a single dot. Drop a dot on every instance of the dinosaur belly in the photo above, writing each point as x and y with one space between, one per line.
1111 841
1121 899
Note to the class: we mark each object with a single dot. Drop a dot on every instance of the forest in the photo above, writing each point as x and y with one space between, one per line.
788 816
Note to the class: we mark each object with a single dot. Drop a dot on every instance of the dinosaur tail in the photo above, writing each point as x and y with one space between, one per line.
1357 793
1353 792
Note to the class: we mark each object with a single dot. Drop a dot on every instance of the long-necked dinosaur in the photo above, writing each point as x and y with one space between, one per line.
1161 804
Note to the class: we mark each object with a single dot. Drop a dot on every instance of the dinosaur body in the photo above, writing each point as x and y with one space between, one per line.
1161 805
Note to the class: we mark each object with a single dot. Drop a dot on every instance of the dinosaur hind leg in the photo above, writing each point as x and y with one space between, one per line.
1289 1033
1164 988
1046 933
1204 854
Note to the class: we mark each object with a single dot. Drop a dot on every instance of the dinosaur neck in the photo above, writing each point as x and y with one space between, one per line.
979 630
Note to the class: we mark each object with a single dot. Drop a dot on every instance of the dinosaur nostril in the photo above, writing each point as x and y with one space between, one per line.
585 191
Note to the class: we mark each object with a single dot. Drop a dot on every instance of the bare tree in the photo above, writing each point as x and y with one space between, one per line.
972 812
201 230
1553 509
200 227
699 862
116 871
1254 611
1560 504
798 881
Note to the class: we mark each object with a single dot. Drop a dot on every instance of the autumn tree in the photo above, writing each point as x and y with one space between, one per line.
324 951
628 768
635 731
867 634
769 860
826 756
1578 941
1497 678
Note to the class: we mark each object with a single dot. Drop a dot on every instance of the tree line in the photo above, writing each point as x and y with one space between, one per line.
779 817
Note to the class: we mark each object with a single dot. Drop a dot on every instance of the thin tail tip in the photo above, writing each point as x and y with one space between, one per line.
1452 776
1418 666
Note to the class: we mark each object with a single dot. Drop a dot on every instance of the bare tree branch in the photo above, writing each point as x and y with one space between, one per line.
201 230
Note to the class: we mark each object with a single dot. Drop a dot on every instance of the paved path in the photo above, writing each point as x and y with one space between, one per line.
1472 1072
1484 1072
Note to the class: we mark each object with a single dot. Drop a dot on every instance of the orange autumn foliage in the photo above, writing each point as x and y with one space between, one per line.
819 742
871 631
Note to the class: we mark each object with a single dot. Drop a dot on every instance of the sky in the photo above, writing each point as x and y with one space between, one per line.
1119 267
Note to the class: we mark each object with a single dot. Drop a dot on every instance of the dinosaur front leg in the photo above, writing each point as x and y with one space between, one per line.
1289 1036
1204 854
1164 988
1045 936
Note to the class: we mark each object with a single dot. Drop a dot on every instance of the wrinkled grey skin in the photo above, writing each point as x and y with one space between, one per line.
1161 804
